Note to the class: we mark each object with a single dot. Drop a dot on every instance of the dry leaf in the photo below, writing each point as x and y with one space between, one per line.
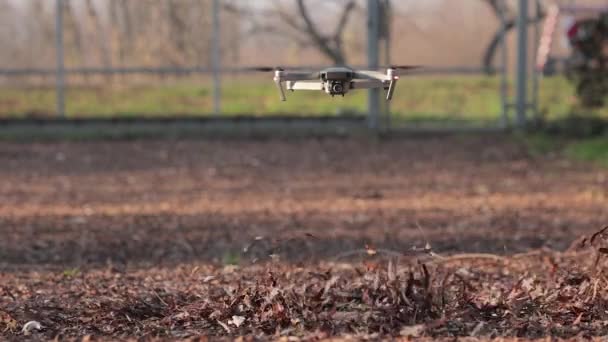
477 329
237 321
225 327
391 274
208 279
413 330
370 250
7 323
31 325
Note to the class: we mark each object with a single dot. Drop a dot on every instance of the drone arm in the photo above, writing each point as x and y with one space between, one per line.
399 72
367 84
297 76
303 85
371 75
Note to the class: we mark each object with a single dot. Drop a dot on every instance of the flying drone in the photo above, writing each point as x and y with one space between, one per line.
337 80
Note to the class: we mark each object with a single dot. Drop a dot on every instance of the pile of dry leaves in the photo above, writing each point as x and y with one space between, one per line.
532 295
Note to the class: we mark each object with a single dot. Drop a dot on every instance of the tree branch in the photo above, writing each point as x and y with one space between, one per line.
502 11
344 18
320 41
300 26
290 20
270 29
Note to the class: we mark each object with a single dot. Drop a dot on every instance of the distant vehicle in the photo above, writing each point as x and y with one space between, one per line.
337 80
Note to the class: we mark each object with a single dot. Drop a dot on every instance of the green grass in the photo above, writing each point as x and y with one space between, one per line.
71 272
592 150
445 100
231 258
539 144
454 98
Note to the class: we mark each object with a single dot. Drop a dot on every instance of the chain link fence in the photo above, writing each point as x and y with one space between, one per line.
190 57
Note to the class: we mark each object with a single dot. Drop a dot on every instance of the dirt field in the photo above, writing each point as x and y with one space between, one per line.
331 237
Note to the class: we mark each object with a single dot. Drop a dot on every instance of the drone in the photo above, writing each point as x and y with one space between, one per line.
337 80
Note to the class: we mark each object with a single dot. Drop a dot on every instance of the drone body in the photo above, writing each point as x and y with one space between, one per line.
337 80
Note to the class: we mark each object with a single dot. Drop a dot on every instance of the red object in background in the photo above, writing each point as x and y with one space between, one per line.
573 31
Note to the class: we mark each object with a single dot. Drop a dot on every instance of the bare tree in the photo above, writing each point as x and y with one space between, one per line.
72 32
178 27
301 27
113 33
97 34
37 36
503 11
6 14
331 46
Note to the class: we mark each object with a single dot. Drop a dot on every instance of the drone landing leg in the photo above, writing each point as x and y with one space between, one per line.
281 90
391 90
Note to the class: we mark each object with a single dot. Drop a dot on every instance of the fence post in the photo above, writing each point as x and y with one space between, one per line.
373 28
536 73
522 63
216 58
60 72
385 25
504 71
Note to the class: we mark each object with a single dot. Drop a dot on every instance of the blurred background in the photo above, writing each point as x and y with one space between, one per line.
126 58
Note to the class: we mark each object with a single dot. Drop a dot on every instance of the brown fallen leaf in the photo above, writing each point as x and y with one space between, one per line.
7 323
237 321
223 325
413 331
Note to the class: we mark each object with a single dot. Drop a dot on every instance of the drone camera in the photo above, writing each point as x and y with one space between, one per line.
336 88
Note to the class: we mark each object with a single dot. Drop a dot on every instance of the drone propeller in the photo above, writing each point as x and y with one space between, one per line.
265 69
402 67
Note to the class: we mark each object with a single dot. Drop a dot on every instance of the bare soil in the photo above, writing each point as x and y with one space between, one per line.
435 236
